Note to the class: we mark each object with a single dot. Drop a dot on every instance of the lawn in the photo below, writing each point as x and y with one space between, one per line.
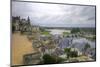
45 33
66 33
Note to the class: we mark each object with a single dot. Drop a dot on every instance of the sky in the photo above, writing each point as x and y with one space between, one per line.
55 15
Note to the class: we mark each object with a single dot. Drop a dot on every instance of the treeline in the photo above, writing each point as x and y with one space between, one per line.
86 30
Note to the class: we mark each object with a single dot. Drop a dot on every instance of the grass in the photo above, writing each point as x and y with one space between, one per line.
66 33
45 33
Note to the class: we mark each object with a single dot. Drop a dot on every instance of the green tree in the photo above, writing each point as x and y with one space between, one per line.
67 51
86 46
48 59
73 54
13 28
75 30
70 53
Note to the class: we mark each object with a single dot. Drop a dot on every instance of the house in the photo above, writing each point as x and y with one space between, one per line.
58 52
65 42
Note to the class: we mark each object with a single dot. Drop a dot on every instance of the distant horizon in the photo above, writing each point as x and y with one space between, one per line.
56 25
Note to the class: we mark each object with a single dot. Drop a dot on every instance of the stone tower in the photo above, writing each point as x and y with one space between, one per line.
28 20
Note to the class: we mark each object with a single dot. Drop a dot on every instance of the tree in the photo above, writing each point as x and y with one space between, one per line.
73 54
70 53
67 51
13 28
75 30
48 59
86 46
42 29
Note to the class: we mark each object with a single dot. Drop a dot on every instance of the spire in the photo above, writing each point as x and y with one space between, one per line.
28 20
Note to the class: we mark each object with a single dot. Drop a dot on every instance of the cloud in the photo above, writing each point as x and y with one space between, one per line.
56 14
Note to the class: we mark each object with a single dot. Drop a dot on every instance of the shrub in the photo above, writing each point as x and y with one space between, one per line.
48 59
67 51
70 53
13 29
73 54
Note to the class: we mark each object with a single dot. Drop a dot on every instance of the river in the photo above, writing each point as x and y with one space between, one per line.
58 31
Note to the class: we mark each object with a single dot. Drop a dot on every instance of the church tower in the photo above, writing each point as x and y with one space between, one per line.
28 20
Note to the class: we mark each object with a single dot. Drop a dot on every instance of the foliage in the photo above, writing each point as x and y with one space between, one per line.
94 38
59 59
86 46
67 51
73 54
13 28
48 59
45 33
75 30
65 33
70 53
42 29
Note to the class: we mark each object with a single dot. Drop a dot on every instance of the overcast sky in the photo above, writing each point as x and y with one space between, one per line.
55 15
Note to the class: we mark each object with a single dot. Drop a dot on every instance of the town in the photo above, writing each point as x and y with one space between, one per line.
34 44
